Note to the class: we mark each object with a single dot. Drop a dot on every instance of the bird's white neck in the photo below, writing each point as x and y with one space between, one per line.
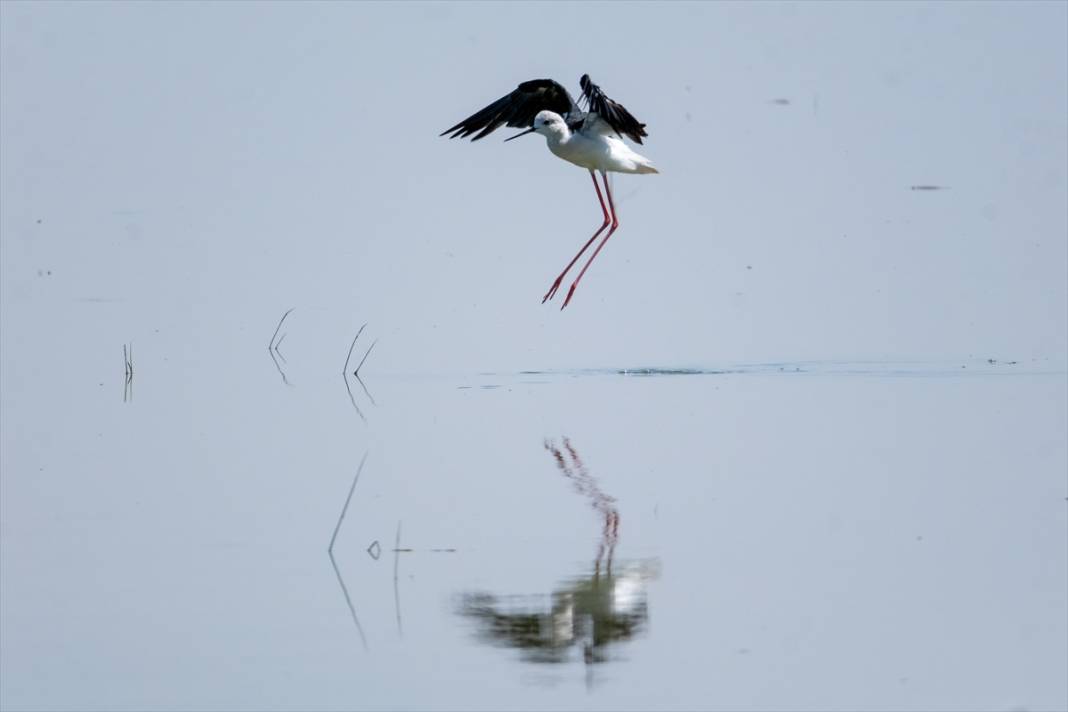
557 135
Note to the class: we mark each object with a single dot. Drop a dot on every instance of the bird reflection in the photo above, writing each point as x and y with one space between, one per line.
585 614
587 486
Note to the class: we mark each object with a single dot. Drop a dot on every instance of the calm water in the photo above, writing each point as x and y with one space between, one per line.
737 536
656 499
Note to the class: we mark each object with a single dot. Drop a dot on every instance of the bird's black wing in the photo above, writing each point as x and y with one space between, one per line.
612 113
517 109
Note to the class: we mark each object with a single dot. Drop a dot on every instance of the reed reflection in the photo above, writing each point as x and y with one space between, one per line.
585 615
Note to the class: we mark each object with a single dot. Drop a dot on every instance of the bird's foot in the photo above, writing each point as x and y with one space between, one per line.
570 293
552 290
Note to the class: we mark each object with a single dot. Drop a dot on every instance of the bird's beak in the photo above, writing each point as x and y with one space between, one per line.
530 130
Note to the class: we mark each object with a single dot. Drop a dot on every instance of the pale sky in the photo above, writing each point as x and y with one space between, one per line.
222 162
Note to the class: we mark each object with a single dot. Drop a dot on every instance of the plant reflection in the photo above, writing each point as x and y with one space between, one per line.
333 561
588 613
273 350
356 373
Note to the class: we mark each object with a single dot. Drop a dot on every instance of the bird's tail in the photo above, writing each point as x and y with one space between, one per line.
646 168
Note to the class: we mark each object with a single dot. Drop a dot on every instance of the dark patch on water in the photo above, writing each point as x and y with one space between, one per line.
815 368
981 368
668 372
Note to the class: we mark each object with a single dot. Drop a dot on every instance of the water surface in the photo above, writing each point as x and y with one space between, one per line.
741 536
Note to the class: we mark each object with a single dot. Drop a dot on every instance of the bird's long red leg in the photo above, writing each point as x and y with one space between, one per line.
556 284
615 224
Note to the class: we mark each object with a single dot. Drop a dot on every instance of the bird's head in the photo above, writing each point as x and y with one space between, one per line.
547 123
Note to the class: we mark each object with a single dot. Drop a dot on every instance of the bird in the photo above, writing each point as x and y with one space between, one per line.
590 137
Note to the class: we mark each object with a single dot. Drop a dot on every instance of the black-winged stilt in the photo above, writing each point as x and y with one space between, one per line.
591 139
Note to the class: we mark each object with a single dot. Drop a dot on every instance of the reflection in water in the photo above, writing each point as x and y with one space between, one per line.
374 550
348 598
396 586
587 613
275 342
356 373
588 487
333 562
127 359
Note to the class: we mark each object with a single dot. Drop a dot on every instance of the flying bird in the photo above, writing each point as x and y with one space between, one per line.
591 138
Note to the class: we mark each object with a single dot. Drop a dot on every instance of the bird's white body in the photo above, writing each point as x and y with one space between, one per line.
595 146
